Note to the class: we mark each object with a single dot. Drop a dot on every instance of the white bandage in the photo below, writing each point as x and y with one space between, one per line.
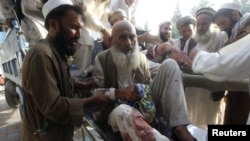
110 94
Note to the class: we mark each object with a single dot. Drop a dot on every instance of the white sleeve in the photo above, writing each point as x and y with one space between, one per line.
177 44
231 62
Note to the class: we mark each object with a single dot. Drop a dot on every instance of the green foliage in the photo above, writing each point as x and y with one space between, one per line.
176 16
175 32
245 4
177 13
203 3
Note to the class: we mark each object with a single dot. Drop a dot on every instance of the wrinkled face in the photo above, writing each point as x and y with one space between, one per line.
203 22
225 23
125 39
186 31
165 32
68 33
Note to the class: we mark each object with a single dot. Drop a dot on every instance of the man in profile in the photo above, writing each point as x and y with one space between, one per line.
50 109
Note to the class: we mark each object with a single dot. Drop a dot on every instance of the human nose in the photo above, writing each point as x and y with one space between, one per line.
128 42
78 33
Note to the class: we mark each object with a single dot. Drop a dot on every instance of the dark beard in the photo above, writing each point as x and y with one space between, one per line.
229 32
62 42
163 37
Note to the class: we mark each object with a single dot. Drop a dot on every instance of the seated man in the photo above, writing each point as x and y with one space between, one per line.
118 68
160 51
186 27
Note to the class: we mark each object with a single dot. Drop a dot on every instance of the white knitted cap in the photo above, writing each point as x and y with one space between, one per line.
231 5
52 4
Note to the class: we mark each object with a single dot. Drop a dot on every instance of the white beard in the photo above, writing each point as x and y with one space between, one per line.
204 37
128 62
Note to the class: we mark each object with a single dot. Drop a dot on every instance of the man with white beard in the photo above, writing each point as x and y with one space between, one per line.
207 36
119 68
209 39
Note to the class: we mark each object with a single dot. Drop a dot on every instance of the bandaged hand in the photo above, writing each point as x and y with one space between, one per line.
100 98
129 93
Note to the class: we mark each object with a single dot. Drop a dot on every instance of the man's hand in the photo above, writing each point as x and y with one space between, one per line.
100 98
193 53
181 57
129 93
106 37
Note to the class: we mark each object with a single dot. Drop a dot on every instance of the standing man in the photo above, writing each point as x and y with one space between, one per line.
50 111
129 66
211 107
129 6
207 36
231 62
94 25
230 19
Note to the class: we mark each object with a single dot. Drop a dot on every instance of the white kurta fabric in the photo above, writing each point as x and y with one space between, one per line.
95 21
208 111
230 63
130 10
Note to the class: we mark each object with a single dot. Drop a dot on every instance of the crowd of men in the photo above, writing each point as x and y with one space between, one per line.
213 43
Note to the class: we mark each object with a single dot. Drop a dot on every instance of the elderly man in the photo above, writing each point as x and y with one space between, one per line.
50 109
226 65
129 66
207 36
208 39
186 27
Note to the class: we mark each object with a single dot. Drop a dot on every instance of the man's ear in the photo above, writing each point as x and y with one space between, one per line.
53 26
235 14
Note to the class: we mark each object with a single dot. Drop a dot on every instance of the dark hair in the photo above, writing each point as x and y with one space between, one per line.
225 12
60 11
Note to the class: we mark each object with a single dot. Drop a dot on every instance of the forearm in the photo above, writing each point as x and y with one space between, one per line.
89 101
232 65
163 49
88 85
